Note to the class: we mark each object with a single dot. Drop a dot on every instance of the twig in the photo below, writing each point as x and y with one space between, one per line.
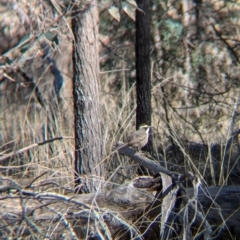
31 146
30 184
141 159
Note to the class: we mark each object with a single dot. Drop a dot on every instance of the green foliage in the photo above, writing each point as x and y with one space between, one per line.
171 31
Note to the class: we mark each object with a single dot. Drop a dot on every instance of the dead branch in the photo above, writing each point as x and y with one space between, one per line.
141 209
31 146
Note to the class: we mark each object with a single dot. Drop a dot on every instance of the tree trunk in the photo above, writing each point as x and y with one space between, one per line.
143 78
87 108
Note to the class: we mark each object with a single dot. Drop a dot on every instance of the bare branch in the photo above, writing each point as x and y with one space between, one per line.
32 146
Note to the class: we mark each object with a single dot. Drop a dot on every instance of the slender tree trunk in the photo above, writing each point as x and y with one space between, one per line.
88 136
143 78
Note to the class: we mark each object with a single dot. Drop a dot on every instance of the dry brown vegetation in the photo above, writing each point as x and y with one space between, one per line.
195 101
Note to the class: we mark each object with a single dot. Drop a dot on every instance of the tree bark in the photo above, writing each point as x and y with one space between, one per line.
88 136
143 78
143 64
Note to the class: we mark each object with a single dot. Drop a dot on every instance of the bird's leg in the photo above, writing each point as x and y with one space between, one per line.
139 150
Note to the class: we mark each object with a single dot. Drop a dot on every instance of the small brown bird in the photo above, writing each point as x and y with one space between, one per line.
139 138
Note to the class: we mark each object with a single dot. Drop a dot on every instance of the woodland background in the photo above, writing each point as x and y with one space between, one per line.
195 55
194 70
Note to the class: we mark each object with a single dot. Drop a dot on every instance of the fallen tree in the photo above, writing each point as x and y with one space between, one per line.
144 208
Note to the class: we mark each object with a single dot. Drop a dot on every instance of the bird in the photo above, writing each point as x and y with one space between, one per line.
139 138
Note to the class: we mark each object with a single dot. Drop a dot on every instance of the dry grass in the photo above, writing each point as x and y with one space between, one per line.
194 116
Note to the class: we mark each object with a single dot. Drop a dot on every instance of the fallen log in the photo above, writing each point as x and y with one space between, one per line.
144 208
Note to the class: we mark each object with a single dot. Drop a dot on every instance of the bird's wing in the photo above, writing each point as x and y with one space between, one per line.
135 137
